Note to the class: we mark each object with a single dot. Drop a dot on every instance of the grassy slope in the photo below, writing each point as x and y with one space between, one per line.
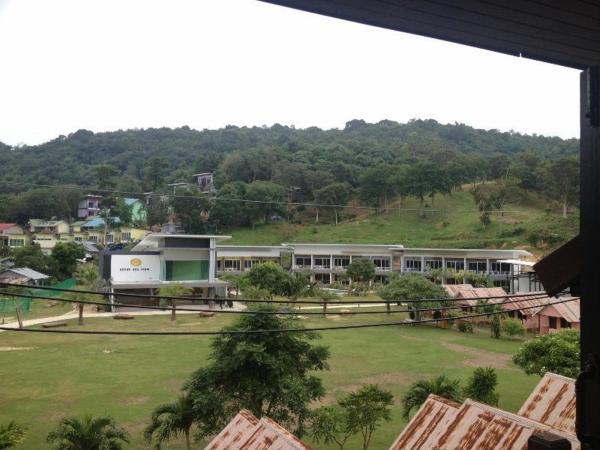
128 376
456 226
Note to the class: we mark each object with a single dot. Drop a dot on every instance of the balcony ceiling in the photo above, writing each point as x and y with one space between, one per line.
553 31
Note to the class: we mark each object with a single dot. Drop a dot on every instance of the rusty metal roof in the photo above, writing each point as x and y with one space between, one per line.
454 289
552 402
472 426
445 425
533 305
427 425
246 432
472 296
569 311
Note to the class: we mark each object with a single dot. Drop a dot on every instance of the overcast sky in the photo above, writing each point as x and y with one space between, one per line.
114 64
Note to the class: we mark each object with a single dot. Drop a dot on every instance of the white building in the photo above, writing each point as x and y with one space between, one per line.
161 259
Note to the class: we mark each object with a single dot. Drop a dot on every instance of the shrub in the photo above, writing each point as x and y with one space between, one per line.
464 326
513 327
482 386
495 326
558 353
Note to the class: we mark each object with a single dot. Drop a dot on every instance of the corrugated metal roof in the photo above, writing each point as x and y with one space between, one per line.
246 432
29 273
454 289
472 426
570 311
427 425
6 226
532 305
478 293
552 403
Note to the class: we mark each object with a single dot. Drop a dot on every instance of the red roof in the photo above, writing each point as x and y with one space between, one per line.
6 226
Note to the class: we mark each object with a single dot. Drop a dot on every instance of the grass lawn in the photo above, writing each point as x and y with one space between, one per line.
451 222
52 376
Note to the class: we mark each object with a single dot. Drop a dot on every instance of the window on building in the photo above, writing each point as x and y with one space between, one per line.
186 270
303 262
455 264
499 268
16 242
564 323
92 238
78 239
232 265
126 236
341 262
322 278
109 238
381 263
433 264
249 263
552 322
412 264
322 262
477 266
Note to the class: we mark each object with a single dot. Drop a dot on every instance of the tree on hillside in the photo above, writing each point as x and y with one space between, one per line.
225 212
157 211
376 186
335 195
562 181
419 391
270 374
267 199
171 420
191 207
557 352
414 287
123 212
489 197
154 172
66 255
481 386
88 433
105 176
11 434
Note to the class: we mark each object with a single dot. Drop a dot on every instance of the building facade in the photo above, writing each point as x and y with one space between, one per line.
13 235
89 206
162 259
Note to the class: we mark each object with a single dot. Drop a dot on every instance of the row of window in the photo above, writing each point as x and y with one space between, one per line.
415 265
232 265
339 262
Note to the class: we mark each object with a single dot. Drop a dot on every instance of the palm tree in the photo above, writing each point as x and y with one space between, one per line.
171 420
11 434
89 433
420 390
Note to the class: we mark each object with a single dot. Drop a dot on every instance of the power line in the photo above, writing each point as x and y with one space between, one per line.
299 302
273 331
227 311
251 201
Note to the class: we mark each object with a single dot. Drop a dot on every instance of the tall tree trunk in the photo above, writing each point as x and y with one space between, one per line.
80 308
173 310
188 444
19 318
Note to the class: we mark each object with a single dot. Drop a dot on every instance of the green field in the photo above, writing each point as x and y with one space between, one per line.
451 222
50 376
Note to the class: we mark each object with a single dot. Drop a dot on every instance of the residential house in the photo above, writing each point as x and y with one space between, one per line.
138 209
47 233
13 235
89 206
559 316
23 275
204 181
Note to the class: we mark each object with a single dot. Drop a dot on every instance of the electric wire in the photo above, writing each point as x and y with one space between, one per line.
298 312
273 331
242 300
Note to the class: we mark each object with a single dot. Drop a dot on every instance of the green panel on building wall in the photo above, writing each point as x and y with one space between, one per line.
186 270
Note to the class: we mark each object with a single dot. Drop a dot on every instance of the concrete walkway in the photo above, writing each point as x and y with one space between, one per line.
131 311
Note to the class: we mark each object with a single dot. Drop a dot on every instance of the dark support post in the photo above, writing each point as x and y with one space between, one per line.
588 382
543 440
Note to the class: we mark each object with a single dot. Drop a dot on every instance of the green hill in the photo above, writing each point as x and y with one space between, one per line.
453 221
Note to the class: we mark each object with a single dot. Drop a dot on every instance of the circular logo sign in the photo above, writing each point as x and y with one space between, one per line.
136 262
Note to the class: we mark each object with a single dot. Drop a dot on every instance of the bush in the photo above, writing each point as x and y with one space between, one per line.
254 293
495 326
558 353
513 327
482 386
464 326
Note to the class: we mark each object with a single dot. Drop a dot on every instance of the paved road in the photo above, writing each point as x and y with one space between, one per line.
134 312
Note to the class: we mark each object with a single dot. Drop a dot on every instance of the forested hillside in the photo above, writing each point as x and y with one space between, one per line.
266 172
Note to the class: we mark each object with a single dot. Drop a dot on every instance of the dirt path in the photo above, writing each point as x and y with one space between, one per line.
479 358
